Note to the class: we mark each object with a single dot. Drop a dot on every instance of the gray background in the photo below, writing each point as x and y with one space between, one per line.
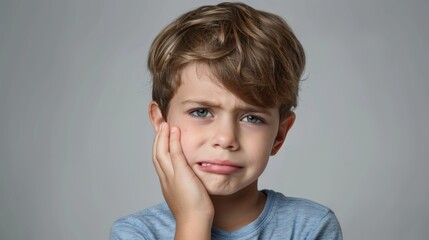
75 140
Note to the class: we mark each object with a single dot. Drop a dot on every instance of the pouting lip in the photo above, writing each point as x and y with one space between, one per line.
219 162
219 167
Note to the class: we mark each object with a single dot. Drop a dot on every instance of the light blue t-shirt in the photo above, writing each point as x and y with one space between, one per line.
282 218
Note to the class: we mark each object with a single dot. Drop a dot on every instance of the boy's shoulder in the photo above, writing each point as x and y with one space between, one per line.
294 206
300 218
156 222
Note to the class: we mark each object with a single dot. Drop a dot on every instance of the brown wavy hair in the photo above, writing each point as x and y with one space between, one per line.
254 54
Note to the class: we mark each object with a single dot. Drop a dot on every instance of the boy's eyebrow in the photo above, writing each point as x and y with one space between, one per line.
245 108
201 102
249 108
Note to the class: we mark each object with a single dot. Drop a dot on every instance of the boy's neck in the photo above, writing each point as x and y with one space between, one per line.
235 211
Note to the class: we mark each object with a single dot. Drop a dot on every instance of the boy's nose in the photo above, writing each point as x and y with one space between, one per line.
225 136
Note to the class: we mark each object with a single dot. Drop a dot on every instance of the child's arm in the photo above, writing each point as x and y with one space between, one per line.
185 194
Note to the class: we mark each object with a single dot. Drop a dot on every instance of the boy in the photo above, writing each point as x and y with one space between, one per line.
225 79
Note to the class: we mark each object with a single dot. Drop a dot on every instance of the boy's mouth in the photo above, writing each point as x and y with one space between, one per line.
205 164
219 167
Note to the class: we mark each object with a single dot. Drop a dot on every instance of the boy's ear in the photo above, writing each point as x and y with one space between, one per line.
155 115
284 128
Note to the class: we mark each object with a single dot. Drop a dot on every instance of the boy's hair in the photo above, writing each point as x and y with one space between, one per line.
253 54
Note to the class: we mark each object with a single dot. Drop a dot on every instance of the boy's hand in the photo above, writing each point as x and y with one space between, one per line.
182 189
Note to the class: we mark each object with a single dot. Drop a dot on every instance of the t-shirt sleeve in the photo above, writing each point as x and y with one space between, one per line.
126 230
328 229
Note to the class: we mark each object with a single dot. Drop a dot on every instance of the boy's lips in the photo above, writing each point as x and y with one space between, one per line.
219 167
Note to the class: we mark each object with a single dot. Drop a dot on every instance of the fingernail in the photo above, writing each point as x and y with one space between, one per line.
173 129
161 126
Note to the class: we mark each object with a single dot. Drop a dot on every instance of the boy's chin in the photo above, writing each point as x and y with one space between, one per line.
220 192
228 189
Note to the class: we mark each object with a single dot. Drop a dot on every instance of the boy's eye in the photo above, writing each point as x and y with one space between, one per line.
252 119
201 113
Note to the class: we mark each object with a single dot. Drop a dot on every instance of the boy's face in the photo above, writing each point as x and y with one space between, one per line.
226 141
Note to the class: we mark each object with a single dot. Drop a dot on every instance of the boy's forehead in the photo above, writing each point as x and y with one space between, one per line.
199 84
199 70
200 75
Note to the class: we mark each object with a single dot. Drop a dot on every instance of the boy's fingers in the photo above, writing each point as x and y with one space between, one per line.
158 169
177 158
161 156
